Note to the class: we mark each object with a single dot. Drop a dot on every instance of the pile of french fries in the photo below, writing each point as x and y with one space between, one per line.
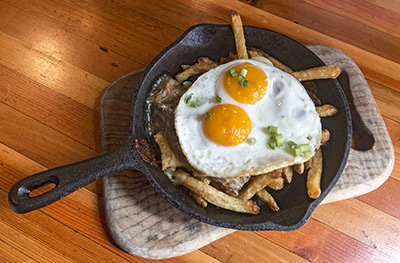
200 188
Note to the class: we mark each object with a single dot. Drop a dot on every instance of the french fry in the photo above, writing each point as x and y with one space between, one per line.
240 41
277 184
256 184
299 168
314 176
314 97
287 174
325 136
268 199
307 164
200 200
203 65
168 157
326 110
215 196
257 52
324 72
232 56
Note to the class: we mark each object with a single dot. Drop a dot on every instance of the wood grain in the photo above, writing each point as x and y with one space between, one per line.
335 25
57 58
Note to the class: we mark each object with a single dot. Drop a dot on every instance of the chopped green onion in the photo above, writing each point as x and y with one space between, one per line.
232 72
305 148
218 99
208 115
240 80
297 152
252 141
273 130
279 140
292 144
272 142
192 102
245 83
188 98
243 72
187 84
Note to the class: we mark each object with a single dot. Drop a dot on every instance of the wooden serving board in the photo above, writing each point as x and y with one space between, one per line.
144 224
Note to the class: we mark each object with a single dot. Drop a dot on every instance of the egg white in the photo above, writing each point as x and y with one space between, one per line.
286 105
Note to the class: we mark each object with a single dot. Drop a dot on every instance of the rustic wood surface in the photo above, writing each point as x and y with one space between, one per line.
57 58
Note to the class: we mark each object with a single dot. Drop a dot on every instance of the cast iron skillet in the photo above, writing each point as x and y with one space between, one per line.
212 41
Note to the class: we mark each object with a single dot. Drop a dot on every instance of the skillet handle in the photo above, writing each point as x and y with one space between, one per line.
72 177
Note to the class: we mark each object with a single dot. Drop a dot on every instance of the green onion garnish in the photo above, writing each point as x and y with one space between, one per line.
273 130
243 72
218 99
232 72
297 152
252 141
240 80
192 102
279 140
305 148
208 115
245 83
292 144
272 142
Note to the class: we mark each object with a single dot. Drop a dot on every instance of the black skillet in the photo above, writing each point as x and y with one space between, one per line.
212 41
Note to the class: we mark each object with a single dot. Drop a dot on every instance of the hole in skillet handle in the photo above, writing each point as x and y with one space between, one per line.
72 177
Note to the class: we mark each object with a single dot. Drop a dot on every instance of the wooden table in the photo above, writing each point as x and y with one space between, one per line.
58 57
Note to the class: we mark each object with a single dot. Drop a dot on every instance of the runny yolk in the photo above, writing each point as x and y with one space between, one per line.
257 84
227 124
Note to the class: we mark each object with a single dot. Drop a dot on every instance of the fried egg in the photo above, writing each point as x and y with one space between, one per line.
230 120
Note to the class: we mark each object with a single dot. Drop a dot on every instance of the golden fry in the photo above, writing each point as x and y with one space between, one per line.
276 63
215 196
326 110
314 176
240 41
268 199
168 157
232 56
203 65
287 174
325 136
200 200
256 184
314 97
307 164
277 184
324 72
299 168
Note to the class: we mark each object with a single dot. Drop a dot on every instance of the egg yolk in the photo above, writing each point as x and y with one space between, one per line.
257 84
227 124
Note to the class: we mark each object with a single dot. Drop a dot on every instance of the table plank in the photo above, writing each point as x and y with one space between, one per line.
335 25
48 107
358 220
48 37
380 18
319 243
